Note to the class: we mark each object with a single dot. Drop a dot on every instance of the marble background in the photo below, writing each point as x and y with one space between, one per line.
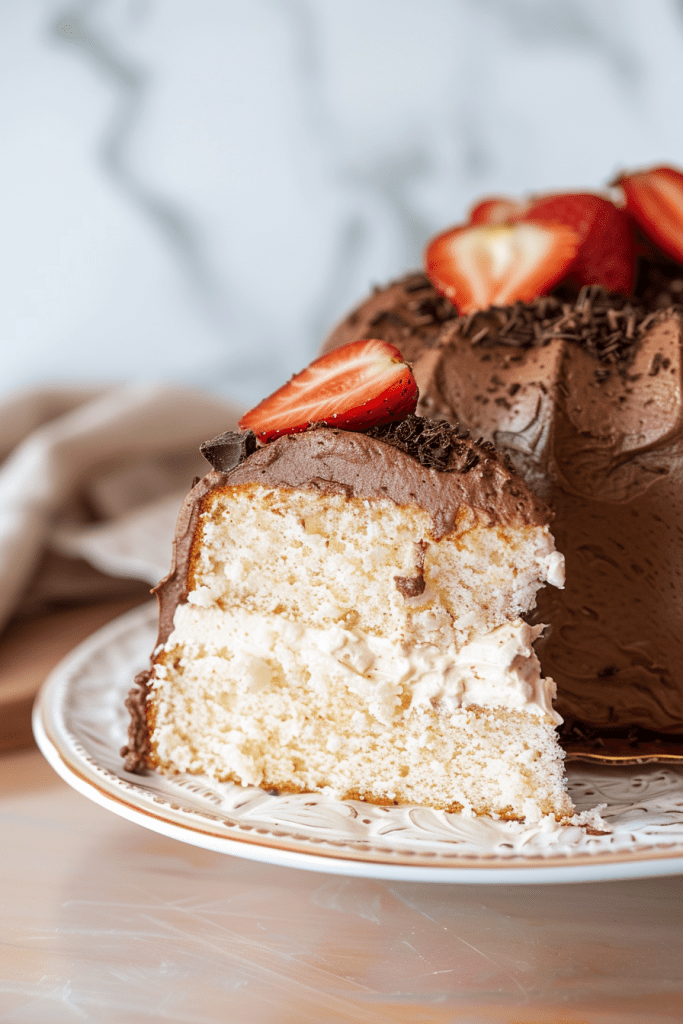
197 191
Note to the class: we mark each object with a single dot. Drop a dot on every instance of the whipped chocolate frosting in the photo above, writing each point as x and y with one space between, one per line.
585 399
475 481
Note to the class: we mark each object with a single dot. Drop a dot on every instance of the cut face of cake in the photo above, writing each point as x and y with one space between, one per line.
345 615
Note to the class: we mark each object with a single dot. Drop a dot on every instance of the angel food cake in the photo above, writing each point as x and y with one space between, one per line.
345 615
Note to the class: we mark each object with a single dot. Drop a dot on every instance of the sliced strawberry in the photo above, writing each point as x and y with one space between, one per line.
654 199
360 385
606 253
497 210
480 266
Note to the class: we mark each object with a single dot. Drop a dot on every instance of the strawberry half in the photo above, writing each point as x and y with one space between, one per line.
606 252
360 385
497 210
654 199
477 266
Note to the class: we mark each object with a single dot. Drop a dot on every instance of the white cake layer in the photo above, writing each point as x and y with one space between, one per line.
324 563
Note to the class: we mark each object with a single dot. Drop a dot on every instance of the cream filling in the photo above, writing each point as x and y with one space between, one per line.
254 651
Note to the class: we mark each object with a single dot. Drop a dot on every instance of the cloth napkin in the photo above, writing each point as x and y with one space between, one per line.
90 485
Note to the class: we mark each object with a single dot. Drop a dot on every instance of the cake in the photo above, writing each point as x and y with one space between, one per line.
582 392
345 614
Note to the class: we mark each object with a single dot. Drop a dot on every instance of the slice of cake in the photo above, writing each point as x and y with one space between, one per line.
345 615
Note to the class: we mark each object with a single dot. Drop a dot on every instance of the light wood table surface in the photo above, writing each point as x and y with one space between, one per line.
30 649
104 921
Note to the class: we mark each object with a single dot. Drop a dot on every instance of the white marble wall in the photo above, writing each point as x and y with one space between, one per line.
197 190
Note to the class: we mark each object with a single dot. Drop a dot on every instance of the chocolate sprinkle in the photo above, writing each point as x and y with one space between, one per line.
417 283
606 325
228 449
388 315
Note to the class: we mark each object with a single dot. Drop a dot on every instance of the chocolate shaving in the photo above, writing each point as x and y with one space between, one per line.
434 443
229 449
480 335
410 586
414 586
389 316
417 282
606 325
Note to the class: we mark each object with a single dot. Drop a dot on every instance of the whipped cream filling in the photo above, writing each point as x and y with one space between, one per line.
496 669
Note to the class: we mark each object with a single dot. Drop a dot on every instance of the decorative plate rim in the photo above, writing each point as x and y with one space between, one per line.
286 845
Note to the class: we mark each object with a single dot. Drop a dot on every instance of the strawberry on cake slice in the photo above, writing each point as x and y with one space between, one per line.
345 609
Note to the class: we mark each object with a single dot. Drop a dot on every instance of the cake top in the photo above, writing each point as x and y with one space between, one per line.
520 249
435 444
399 465
457 481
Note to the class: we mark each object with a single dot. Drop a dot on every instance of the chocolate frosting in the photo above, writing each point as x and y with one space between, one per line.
172 590
475 483
137 750
408 313
585 398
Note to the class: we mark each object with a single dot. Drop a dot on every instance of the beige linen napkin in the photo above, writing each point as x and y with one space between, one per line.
97 473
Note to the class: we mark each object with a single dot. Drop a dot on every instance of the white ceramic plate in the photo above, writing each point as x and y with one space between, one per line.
80 724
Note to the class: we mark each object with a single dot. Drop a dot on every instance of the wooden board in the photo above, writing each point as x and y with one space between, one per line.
30 649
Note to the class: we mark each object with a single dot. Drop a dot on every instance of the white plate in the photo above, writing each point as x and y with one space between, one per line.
80 724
